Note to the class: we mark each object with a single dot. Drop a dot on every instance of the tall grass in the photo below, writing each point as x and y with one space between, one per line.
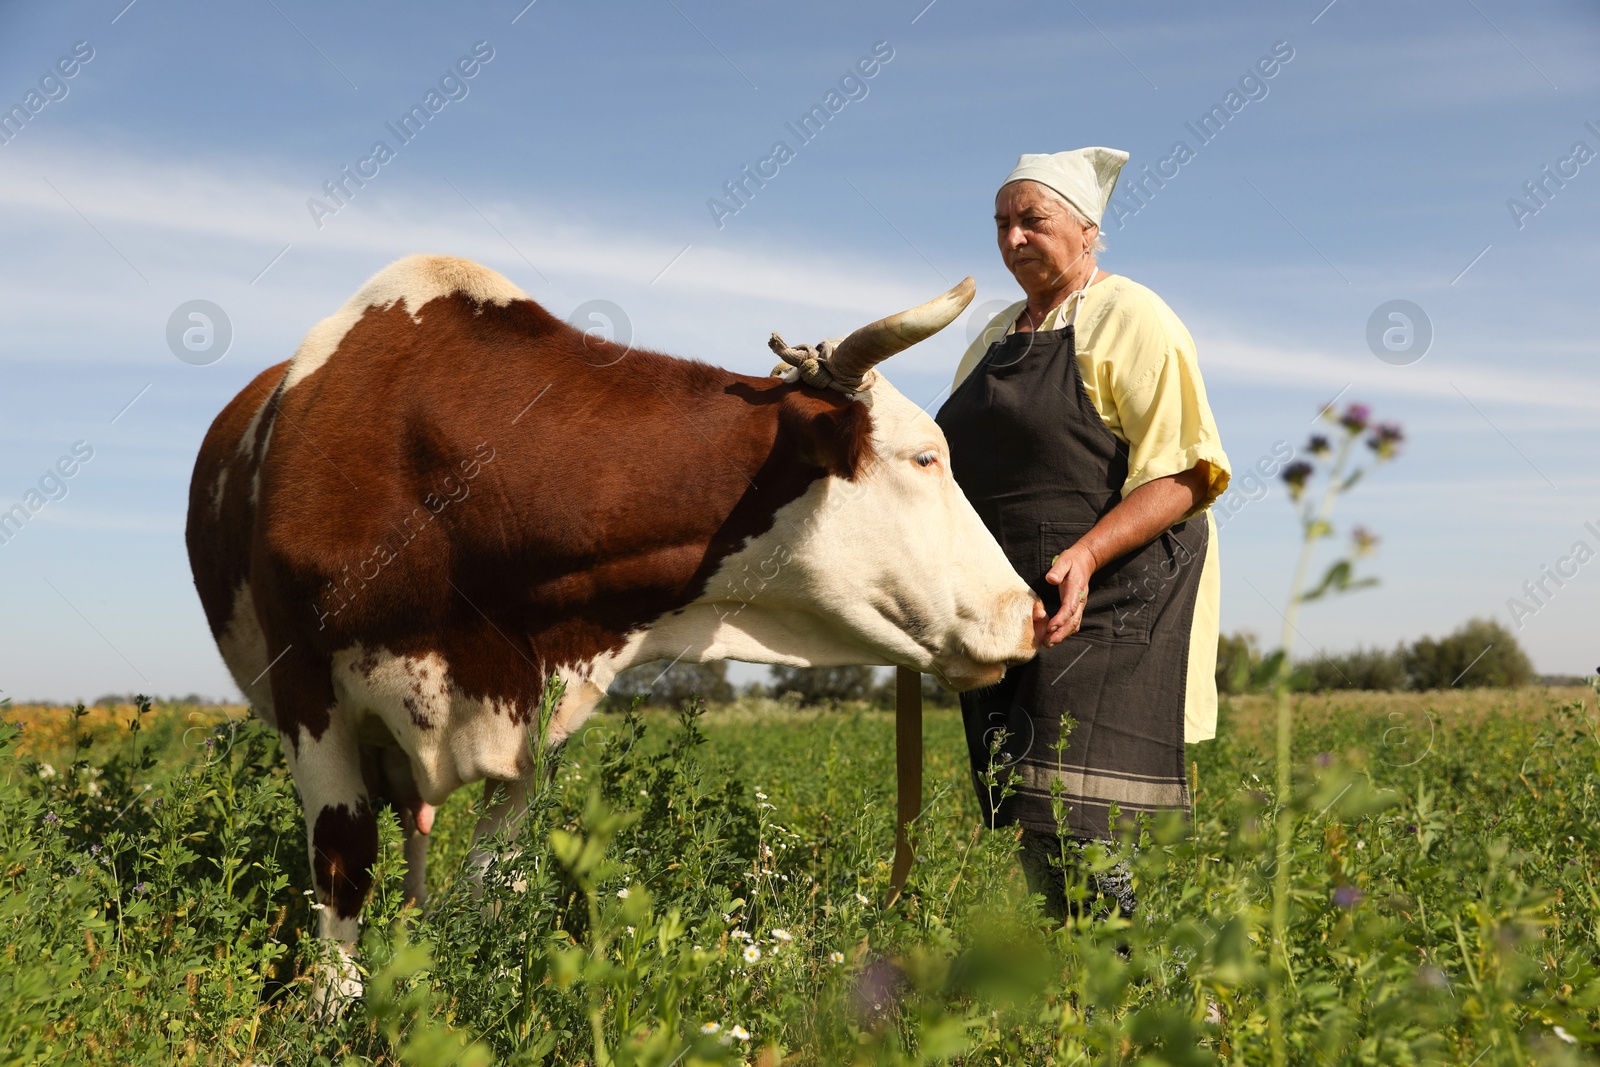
704 889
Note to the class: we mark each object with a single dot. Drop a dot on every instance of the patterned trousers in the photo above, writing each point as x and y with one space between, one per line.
1041 855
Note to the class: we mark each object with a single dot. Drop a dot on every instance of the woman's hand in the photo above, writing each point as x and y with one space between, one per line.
1136 521
1071 571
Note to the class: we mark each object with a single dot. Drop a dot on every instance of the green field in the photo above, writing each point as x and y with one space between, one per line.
1445 904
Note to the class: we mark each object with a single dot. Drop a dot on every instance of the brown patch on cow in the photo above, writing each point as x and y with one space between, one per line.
412 498
219 538
419 718
344 847
826 431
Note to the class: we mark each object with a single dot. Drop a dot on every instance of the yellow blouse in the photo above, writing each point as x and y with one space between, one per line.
1139 368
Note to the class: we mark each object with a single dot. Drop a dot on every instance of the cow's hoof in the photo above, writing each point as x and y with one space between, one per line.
335 985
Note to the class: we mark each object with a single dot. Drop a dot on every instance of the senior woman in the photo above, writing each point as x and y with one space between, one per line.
1079 429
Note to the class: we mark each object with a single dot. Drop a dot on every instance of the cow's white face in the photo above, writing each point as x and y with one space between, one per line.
894 567
905 562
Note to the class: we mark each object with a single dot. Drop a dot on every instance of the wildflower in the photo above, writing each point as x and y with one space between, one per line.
760 795
1563 1035
141 889
50 818
1318 445
739 935
836 957
644 792
1347 896
740 1033
318 905
629 929
782 936
1295 476
752 954
710 1028
95 850
46 771
1363 540
622 894
1385 439
1324 760
1355 417
307 892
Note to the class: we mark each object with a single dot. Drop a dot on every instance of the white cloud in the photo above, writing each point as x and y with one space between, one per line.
1230 357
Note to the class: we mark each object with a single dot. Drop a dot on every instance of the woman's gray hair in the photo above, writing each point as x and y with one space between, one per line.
1099 244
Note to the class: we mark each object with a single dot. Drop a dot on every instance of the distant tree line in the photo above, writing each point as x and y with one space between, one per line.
669 685
1480 653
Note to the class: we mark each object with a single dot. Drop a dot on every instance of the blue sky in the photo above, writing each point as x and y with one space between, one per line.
1375 165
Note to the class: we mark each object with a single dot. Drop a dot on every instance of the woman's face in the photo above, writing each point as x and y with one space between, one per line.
1041 243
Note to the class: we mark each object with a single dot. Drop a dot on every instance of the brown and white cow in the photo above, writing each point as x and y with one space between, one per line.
448 496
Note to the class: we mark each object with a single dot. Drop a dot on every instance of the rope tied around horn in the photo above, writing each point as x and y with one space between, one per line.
846 364
814 362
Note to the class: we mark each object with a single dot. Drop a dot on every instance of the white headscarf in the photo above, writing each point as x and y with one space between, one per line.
1084 177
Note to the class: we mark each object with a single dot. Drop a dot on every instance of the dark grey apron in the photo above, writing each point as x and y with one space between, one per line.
1032 454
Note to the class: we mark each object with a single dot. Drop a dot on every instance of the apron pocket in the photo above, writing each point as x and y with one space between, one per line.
1115 610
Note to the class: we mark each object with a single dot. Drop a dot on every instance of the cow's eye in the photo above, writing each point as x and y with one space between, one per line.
927 459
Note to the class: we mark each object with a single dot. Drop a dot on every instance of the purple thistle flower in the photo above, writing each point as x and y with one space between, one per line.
1318 445
1355 417
1385 439
1295 476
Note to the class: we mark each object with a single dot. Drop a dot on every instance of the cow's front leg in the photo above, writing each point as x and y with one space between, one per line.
343 837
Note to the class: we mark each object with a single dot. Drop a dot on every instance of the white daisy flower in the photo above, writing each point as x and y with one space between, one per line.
863 898
622 894
319 906
46 771
1563 1035
752 954
710 1028
629 929
740 1033
836 957
739 935
782 936
761 796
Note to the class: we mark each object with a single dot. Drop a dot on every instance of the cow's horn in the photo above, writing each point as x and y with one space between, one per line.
877 341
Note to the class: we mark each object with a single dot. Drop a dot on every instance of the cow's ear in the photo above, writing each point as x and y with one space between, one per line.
827 431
